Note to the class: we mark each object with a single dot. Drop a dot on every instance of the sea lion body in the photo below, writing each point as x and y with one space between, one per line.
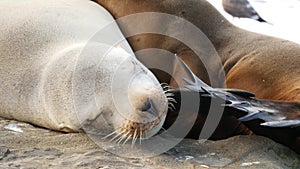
266 66
269 68
55 75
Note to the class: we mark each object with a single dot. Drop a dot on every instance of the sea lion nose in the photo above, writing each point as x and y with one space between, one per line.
149 107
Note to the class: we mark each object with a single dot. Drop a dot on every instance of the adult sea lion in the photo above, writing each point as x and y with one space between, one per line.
264 65
55 75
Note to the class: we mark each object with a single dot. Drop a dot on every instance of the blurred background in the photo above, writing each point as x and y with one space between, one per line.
283 17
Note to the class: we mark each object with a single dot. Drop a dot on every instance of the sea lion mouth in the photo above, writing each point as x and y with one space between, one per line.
143 128
135 130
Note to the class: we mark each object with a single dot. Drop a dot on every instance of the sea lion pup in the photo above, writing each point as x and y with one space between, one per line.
55 75
263 65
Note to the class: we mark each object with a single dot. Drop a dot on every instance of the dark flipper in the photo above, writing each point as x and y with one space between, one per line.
279 121
273 113
239 92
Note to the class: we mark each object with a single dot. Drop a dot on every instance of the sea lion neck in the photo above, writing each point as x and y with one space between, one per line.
209 20
202 16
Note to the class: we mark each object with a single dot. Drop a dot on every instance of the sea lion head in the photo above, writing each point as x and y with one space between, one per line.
139 102
130 99
145 111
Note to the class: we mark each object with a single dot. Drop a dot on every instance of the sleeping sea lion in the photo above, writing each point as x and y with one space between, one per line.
55 75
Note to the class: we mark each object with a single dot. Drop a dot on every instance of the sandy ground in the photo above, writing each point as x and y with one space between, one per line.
41 148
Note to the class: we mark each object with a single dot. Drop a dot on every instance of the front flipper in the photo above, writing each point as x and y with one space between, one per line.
277 120
244 104
239 92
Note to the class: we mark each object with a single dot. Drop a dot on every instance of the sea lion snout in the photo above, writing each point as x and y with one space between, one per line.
145 116
149 106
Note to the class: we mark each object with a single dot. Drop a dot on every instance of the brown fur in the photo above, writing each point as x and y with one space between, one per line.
266 66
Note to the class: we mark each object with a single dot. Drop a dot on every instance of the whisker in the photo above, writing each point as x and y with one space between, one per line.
171 100
123 137
117 140
164 84
166 88
128 137
162 128
117 135
169 94
112 133
141 135
145 135
171 106
170 89
134 137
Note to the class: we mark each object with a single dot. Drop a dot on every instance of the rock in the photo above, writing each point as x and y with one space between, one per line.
3 152
41 148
